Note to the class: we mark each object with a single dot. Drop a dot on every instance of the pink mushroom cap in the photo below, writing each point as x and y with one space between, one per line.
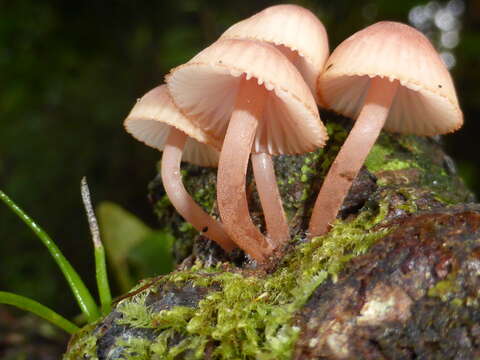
206 87
426 102
152 117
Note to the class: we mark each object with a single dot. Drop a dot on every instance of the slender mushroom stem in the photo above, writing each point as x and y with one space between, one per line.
178 195
352 155
232 169
267 188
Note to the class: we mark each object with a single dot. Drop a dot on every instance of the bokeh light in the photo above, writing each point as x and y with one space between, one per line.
441 23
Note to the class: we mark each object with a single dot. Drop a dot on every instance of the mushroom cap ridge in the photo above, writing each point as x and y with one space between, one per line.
426 102
205 90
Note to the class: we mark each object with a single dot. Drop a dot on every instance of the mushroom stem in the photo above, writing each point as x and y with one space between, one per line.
232 169
352 155
178 195
267 188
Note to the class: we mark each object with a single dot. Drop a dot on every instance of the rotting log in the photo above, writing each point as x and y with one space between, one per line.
398 277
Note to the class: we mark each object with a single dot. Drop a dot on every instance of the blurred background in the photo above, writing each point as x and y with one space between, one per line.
71 70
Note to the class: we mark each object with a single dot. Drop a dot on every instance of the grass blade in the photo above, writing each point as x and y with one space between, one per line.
80 292
100 264
38 309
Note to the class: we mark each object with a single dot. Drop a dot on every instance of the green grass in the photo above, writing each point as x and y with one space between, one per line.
84 298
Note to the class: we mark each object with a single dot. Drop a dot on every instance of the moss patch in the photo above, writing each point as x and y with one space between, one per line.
249 316
444 289
394 158
83 345
388 154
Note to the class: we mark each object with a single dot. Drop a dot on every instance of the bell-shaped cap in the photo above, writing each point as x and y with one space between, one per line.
206 87
425 103
293 29
151 119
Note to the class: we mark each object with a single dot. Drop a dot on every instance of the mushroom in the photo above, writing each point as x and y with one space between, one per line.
386 74
157 122
295 31
252 89
302 38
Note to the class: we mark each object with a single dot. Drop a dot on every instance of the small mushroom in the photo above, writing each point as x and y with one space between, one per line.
157 122
295 31
302 38
250 95
385 76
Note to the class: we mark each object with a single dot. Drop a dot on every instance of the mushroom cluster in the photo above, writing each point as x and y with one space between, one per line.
254 94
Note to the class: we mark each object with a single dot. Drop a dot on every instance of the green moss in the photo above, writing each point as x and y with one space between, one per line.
250 316
83 344
162 205
377 157
300 176
134 348
395 165
305 194
409 143
445 289
384 156
186 228
205 196
445 188
135 313
392 154
411 196
336 132
457 302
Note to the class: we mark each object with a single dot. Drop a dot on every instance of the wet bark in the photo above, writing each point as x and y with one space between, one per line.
413 296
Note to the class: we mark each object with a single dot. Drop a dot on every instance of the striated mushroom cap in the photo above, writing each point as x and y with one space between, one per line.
150 121
295 31
425 103
206 87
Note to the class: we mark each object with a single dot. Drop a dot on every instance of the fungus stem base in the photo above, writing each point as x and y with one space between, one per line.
352 155
266 182
232 169
178 195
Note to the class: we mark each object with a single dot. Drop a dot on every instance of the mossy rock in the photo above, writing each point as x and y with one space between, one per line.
405 247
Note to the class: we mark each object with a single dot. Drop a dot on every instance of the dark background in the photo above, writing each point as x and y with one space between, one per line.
71 70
